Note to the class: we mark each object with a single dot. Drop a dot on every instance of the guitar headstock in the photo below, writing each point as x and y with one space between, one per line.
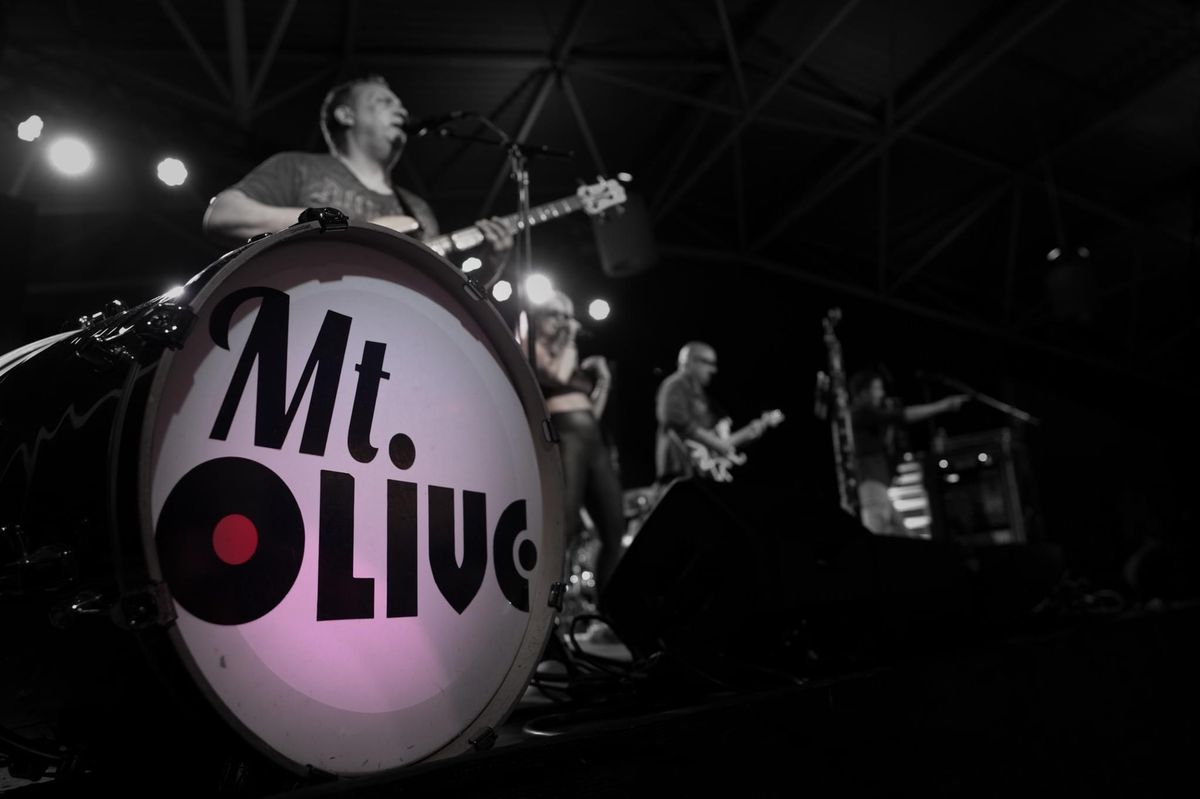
831 321
599 197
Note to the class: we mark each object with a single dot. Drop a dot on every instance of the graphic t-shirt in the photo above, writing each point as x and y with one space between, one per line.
315 180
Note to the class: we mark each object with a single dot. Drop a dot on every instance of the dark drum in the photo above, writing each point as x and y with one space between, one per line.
300 518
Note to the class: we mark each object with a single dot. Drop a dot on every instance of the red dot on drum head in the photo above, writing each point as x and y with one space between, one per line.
235 539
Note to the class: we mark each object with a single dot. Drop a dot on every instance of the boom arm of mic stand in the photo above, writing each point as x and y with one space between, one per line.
518 153
525 149
1003 407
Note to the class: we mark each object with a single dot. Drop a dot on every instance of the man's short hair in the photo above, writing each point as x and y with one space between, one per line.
861 380
342 94
685 352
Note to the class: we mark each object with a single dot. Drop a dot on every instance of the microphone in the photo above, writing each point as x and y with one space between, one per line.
420 127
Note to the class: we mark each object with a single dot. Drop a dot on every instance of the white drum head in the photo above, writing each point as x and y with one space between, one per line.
349 495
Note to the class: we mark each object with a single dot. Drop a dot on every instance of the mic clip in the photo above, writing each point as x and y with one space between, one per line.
426 125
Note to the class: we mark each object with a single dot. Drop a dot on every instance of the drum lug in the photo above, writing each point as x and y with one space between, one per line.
168 326
101 355
558 590
329 218
141 608
85 604
484 740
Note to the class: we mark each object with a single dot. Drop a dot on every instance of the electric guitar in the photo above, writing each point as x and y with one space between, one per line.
718 467
592 200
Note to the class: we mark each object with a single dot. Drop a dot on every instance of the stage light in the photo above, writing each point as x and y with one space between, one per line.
70 156
172 172
1054 254
983 457
945 464
30 129
502 291
471 264
538 288
624 177
599 310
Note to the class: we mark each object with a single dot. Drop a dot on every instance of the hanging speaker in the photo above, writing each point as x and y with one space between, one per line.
624 239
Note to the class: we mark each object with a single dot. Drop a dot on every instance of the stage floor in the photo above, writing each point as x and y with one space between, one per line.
1091 704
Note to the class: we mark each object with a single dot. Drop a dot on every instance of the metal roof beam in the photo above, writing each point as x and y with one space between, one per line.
558 57
205 62
239 70
977 56
268 58
697 172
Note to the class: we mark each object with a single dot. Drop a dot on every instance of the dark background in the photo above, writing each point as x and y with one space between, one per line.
909 162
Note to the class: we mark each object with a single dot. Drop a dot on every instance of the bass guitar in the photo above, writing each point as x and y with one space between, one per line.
718 467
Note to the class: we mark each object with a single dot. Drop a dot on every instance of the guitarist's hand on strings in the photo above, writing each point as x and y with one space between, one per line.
498 237
499 240
954 401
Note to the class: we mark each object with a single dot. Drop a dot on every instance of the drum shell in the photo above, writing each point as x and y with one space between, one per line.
84 668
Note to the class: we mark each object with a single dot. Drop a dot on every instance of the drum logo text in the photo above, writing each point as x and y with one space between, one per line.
233 560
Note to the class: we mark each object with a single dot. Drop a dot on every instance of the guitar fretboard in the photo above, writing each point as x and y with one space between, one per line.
472 236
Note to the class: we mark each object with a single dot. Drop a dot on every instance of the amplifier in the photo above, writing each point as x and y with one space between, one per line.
979 488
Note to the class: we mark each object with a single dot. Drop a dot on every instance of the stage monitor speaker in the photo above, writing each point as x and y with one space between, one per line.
625 240
693 577
720 570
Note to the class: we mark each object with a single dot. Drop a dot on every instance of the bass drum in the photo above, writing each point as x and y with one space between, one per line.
304 513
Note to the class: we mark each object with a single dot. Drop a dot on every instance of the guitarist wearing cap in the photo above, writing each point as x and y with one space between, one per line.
691 441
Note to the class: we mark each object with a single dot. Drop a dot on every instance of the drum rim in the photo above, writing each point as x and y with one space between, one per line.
539 627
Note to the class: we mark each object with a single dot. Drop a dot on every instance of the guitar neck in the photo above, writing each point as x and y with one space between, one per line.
544 213
469 237
739 437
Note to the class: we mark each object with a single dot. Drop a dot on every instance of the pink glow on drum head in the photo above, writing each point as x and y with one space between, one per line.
350 497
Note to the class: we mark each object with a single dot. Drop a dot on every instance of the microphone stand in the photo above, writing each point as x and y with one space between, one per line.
518 156
1003 407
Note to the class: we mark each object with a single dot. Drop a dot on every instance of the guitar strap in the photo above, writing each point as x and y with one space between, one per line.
419 210
682 455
